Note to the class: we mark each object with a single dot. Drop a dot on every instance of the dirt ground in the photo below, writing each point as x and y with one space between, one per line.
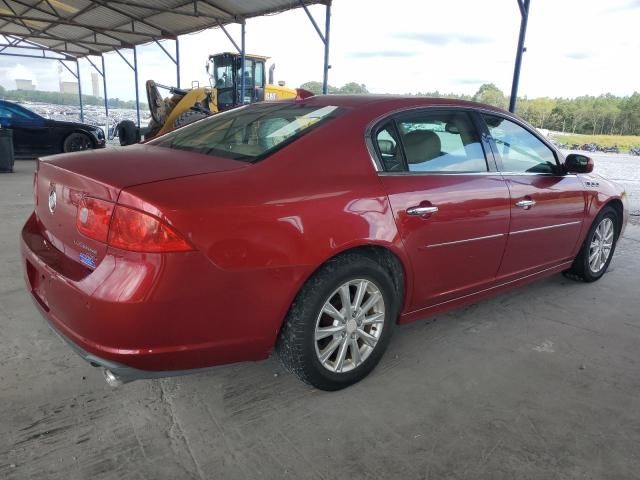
539 383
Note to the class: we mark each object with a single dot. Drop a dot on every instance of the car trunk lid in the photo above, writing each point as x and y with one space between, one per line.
63 181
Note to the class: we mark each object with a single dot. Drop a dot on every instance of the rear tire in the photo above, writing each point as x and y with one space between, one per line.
77 142
330 343
190 116
597 250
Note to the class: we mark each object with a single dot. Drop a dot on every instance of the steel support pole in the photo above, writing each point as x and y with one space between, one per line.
242 62
324 37
79 90
524 13
327 32
104 88
135 75
177 62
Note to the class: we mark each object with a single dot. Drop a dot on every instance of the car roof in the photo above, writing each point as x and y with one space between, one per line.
15 104
393 101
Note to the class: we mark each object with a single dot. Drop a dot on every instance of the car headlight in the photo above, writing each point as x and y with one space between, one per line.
100 133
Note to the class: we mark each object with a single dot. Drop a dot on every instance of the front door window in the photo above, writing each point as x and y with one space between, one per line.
519 149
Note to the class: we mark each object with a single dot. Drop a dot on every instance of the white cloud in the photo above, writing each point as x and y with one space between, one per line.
574 47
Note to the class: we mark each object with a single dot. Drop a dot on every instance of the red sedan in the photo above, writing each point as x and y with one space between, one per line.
311 227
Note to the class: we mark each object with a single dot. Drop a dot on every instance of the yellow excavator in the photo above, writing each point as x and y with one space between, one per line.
184 106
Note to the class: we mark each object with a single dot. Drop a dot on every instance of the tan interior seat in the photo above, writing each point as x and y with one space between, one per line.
421 146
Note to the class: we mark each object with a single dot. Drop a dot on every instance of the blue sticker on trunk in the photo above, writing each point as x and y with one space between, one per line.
88 260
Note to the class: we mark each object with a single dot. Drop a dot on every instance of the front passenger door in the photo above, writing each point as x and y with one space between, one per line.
451 206
547 205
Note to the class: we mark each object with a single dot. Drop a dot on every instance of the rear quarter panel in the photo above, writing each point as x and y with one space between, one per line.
268 227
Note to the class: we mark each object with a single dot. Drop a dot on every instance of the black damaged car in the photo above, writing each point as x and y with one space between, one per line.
35 136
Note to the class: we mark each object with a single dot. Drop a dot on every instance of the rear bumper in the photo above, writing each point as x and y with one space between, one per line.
152 315
124 373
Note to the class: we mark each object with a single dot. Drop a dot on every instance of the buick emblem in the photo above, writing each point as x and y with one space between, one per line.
53 201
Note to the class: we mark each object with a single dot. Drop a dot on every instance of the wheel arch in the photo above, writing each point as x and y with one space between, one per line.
618 207
389 259
393 261
77 130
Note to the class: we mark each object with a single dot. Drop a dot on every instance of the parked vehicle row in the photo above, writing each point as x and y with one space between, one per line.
594 147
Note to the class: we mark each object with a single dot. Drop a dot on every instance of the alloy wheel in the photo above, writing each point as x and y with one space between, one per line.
80 143
349 325
601 245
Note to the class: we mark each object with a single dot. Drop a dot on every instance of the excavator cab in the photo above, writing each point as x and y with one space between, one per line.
226 76
184 106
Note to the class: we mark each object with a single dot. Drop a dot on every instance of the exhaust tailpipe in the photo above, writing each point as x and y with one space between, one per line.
112 379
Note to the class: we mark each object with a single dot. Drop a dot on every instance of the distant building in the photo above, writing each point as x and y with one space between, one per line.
68 87
95 89
22 84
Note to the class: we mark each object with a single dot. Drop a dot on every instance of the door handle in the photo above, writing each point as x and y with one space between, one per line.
525 203
421 210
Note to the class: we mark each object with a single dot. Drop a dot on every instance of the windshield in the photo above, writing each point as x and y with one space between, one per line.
9 110
248 133
222 71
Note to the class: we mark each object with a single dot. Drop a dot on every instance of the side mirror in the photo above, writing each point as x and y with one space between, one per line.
576 163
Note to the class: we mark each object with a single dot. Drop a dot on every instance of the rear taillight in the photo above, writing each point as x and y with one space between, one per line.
126 228
93 218
138 231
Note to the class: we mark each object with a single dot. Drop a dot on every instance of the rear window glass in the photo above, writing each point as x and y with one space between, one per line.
248 133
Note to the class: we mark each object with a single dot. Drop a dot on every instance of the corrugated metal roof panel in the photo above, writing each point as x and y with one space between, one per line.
90 26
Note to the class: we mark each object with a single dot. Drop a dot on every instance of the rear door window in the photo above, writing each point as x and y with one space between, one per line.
432 141
389 149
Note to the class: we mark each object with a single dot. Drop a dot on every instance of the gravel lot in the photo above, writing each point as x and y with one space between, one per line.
540 383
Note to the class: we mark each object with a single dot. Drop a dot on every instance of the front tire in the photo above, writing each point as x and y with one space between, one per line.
128 133
597 250
77 142
340 323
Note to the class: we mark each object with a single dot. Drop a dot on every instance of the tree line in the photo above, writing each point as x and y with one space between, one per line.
604 114
59 98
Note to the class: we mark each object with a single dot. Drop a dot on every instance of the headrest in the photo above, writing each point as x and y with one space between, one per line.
421 146
387 147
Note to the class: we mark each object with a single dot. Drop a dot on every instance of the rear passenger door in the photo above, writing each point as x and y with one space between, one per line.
547 205
450 204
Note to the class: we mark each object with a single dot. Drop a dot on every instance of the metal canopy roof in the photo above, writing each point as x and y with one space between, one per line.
77 28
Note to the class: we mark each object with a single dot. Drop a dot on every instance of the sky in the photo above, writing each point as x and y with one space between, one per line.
574 47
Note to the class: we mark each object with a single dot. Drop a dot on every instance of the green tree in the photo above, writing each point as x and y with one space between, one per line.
316 87
58 98
350 88
630 114
540 110
491 95
585 114
354 88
